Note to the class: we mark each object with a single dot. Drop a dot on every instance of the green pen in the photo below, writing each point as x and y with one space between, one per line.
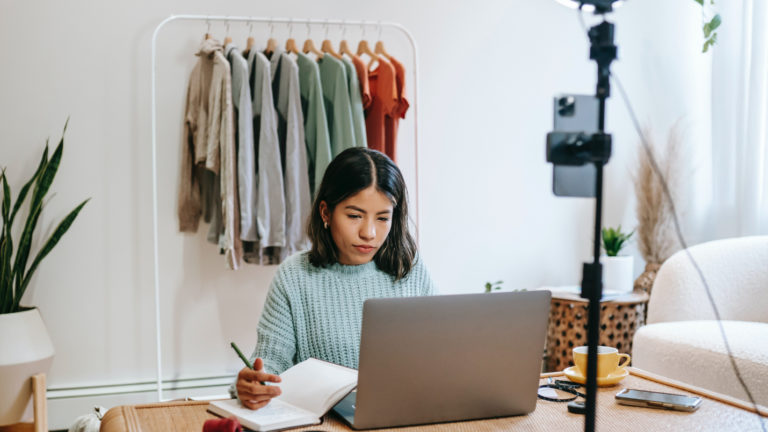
245 360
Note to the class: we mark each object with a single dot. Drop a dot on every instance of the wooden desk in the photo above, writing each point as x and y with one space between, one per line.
717 413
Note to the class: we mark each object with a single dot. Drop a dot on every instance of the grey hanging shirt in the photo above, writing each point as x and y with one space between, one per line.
287 98
270 205
246 156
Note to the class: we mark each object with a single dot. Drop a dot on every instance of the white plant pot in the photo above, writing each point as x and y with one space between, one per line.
25 350
617 273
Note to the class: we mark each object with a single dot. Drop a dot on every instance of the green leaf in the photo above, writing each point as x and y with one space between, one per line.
43 183
701 2
6 198
6 249
46 178
715 22
25 188
47 247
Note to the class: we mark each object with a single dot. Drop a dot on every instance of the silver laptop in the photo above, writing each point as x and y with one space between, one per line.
447 358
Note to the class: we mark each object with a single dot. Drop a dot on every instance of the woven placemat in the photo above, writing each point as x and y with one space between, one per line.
712 415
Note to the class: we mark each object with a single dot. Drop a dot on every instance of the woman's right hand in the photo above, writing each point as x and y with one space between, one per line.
251 392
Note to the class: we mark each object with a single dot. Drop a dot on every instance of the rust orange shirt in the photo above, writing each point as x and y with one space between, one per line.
384 104
392 123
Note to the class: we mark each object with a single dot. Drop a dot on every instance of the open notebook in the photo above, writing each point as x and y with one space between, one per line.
309 390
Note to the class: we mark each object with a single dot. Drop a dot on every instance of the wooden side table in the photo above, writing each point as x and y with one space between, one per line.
620 317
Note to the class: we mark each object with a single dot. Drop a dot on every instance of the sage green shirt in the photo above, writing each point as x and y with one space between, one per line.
315 121
356 102
338 107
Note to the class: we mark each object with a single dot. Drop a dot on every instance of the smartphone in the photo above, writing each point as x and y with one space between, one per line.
575 113
651 399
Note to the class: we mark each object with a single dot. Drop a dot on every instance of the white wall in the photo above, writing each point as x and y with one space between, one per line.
488 71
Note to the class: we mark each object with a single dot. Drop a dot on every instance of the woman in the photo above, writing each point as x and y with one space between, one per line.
361 249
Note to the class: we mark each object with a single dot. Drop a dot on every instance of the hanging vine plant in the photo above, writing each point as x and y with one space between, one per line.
710 24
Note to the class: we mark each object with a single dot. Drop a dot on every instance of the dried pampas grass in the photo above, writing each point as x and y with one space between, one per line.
656 238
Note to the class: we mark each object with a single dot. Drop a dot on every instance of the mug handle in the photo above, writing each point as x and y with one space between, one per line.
624 356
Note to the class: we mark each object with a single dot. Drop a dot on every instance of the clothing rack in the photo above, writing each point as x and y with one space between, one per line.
270 21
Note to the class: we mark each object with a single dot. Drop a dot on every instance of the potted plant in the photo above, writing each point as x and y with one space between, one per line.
617 270
25 347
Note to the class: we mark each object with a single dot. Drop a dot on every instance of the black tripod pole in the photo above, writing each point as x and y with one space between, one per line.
603 51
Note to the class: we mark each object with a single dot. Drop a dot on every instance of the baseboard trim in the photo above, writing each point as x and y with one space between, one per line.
139 387
66 404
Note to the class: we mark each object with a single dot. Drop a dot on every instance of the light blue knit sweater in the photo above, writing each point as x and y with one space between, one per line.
317 312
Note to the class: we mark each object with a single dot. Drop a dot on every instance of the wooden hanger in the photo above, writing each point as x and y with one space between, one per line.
363 48
290 44
227 37
381 50
327 47
251 42
344 48
343 45
208 32
309 46
271 46
271 42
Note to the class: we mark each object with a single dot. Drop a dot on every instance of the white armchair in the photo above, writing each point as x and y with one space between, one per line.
683 340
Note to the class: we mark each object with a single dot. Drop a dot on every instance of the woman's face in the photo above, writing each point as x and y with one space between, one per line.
359 225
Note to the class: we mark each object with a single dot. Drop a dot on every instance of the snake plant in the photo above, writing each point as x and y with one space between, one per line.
15 273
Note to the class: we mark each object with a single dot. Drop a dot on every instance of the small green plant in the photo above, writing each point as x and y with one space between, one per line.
493 286
614 240
15 275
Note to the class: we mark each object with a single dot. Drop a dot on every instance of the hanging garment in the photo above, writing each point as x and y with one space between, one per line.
392 124
195 138
362 76
287 98
221 146
384 104
246 157
270 202
356 104
318 142
333 78
209 123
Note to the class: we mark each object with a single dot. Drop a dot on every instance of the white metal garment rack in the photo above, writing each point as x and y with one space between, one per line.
264 20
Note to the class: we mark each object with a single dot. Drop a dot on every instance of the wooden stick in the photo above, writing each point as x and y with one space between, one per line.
40 403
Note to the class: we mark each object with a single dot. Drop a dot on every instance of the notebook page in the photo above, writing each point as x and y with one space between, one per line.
313 384
274 415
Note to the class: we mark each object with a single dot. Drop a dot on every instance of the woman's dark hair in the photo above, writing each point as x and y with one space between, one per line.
350 172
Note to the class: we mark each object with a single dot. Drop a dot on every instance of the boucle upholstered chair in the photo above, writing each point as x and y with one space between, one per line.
682 339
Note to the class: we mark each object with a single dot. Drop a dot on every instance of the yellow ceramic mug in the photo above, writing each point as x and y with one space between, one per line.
609 360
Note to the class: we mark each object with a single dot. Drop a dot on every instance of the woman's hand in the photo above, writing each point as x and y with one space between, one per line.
252 393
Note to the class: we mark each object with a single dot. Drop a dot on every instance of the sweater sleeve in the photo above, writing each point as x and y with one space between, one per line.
276 336
426 284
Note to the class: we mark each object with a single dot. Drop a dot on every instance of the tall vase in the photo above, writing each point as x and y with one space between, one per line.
25 350
644 282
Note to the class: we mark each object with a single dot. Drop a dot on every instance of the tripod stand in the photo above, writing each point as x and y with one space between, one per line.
576 148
